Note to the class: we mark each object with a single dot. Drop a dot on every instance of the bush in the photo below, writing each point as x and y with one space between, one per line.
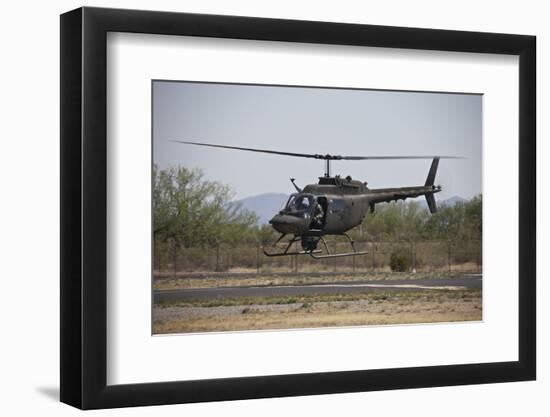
400 260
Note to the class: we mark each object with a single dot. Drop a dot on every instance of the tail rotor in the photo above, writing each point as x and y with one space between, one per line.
430 183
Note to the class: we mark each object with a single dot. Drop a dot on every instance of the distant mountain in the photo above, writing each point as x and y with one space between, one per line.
264 205
267 205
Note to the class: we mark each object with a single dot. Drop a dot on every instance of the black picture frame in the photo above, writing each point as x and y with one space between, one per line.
84 207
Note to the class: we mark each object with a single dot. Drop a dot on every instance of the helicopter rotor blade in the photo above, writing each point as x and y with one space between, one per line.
316 156
301 155
361 158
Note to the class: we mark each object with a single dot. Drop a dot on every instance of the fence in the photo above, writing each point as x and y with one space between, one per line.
421 256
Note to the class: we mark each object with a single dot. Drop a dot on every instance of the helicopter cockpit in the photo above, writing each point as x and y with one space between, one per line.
308 207
299 205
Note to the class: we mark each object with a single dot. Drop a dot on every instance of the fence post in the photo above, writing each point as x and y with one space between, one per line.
413 260
157 253
217 256
334 251
479 260
175 258
373 256
258 259
228 260
449 254
161 252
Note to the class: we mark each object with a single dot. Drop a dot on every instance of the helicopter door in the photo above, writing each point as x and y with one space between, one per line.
319 216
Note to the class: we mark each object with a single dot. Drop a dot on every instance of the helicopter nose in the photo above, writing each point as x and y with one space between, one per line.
287 224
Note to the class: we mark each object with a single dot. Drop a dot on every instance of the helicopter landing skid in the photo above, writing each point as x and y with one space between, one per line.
286 252
302 252
313 251
337 255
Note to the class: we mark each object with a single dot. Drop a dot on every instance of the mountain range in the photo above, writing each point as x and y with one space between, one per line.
267 205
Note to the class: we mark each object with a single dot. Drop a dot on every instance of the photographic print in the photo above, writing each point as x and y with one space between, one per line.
295 207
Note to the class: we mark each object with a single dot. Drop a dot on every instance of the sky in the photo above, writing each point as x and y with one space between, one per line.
317 120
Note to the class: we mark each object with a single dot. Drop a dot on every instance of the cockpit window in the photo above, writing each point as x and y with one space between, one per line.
299 203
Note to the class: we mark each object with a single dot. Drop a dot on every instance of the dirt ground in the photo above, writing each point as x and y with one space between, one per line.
368 309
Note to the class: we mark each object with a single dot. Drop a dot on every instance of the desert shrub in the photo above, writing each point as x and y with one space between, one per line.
400 260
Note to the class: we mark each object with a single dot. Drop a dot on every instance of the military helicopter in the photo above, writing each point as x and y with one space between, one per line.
334 205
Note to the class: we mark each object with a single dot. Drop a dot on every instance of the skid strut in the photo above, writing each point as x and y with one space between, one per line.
314 253
286 252
354 251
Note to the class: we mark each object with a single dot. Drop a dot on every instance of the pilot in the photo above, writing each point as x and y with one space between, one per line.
318 216
302 204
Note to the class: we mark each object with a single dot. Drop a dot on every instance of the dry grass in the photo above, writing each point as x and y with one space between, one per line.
319 267
223 280
397 308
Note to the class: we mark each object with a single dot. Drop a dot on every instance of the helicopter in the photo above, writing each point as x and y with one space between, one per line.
334 205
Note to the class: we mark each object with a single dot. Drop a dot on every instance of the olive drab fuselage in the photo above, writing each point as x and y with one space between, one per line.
344 202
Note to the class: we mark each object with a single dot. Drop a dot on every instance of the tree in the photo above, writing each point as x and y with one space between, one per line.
473 218
189 210
409 221
266 234
446 223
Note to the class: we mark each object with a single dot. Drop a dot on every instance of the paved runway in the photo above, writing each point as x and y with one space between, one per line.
464 282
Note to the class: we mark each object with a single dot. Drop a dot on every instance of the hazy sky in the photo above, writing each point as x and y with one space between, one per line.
317 120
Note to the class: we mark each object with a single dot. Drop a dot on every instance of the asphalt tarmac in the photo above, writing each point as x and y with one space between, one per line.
464 282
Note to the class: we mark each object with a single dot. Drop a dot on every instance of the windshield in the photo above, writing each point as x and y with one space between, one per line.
299 203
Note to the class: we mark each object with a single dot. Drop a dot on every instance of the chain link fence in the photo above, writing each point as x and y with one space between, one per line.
420 256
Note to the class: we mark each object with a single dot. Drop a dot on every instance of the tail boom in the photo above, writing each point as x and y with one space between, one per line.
393 194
